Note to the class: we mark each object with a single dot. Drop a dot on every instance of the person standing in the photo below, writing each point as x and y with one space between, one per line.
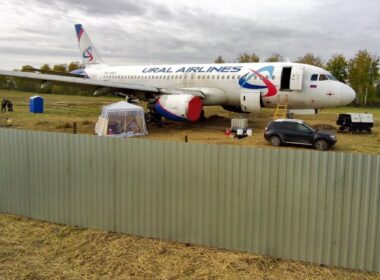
10 106
4 105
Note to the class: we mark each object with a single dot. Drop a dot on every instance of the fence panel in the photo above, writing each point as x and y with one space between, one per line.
298 204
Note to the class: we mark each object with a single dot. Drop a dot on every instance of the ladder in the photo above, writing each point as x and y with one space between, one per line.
281 111
282 107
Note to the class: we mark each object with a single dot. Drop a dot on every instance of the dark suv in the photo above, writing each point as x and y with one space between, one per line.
289 131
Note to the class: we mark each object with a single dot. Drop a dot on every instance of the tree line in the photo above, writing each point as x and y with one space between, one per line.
361 72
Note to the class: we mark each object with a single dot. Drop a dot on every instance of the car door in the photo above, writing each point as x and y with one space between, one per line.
304 134
289 132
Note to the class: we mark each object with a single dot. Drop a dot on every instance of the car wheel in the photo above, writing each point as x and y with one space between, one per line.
275 141
321 145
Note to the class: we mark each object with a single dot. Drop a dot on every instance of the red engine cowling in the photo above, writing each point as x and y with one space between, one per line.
184 107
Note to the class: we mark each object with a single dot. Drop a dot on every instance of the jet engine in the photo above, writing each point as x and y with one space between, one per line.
184 107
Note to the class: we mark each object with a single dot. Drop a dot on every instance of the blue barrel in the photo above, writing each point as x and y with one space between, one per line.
36 104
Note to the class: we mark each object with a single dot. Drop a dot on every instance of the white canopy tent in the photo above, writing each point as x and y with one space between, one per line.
121 119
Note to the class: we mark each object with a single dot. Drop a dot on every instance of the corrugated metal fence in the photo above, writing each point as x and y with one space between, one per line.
321 207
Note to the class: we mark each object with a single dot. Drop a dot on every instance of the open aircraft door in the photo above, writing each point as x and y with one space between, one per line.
250 100
296 77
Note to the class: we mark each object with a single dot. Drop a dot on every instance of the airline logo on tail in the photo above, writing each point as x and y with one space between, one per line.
88 54
258 83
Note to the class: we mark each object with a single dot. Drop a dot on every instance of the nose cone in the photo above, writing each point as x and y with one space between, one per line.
347 94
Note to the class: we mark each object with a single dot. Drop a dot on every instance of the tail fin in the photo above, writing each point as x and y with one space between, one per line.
87 48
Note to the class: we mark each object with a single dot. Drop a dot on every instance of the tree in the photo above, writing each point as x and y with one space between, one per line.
45 67
6 83
60 67
246 57
275 57
338 66
363 71
219 59
309 58
74 65
27 68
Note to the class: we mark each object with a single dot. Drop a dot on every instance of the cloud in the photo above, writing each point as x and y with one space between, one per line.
163 31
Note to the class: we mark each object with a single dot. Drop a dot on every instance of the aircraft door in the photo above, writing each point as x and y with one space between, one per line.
296 77
291 77
250 100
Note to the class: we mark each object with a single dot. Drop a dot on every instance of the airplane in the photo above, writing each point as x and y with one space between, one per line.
179 92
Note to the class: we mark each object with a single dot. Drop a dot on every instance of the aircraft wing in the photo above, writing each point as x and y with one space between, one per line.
72 80
66 80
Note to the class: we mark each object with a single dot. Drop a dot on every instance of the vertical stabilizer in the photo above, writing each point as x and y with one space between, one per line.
87 48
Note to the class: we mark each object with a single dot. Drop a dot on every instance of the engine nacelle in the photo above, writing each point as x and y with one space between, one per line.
184 107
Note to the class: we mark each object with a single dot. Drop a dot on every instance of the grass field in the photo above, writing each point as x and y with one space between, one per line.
32 249
62 110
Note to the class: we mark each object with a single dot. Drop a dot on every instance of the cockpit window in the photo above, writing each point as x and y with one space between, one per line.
314 77
331 77
323 77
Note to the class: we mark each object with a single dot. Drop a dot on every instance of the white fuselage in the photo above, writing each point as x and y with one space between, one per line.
300 86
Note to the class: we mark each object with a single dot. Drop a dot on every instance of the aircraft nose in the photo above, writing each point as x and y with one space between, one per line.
347 94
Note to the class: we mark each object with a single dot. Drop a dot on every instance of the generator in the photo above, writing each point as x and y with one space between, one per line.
355 122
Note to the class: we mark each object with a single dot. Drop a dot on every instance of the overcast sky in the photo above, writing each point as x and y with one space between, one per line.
127 32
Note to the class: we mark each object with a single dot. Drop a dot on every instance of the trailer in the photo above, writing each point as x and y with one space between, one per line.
355 122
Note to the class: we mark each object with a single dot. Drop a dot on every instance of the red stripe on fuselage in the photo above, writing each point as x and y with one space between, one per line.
271 88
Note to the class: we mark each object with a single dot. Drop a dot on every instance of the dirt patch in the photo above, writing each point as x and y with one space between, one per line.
324 126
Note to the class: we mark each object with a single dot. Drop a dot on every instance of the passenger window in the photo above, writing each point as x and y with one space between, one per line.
323 77
289 126
275 125
302 128
314 77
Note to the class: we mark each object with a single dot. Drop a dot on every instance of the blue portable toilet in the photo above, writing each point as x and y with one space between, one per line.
36 104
